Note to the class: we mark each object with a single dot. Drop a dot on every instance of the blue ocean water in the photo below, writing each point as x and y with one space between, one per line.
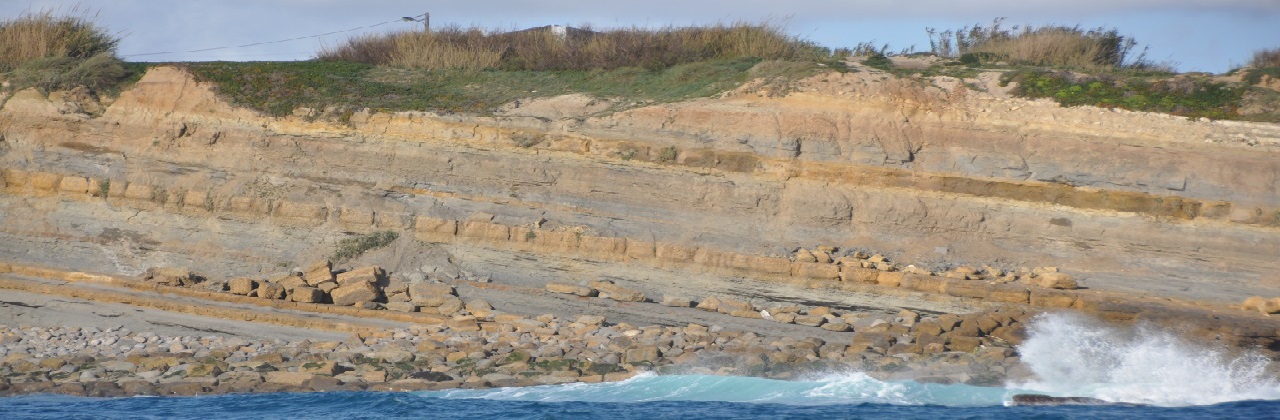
359 405
1148 373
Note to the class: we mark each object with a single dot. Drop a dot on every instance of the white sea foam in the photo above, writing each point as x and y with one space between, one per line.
844 388
1070 354
1074 356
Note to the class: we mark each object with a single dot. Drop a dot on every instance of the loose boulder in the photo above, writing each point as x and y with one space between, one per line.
613 291
1056 280
307 294
270 290
356 292
242 286
319 272
372 274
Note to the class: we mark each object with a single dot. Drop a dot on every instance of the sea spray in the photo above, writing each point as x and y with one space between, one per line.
1072 355
841 388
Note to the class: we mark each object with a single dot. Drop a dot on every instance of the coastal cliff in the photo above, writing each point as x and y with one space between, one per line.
855 191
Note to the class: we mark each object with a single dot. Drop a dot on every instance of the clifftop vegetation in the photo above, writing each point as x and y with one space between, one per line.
473 70
53 52
558 48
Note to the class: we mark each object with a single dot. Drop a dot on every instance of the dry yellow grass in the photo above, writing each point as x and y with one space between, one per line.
1055 46
1061 46
574 48
45 35
1265 58
435 51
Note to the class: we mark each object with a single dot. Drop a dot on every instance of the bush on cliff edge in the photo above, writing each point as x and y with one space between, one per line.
53 52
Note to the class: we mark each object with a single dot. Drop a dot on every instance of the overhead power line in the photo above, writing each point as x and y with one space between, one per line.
254 44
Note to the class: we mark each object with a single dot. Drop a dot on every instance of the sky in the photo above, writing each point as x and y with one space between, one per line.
1192 35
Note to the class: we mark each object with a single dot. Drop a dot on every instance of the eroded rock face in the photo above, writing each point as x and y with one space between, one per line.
733 185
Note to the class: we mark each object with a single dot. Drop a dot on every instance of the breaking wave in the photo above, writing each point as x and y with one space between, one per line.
1070 355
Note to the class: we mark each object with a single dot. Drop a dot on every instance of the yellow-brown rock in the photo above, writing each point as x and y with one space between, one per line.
369 274
675 253
171 276
889 278
613 291
242 285
927 284
289 281
571 289
270 290
1055 280
45 181
289 378
431 229
74 185
1271 306
1052 298
355 292
602 246
318 272
305 294
859 274
430 294
640 250
816 271
356 218
1254 303
485 231
308 212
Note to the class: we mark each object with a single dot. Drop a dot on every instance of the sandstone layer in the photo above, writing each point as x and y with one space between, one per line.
930 197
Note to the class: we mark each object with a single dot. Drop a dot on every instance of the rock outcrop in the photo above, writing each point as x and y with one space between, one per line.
847 183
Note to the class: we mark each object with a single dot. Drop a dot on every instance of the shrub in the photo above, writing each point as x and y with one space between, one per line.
43 35
878 60
1183 96
453 49
558 48
100 72
363 49
668 154
1063 46
59 53
1265 59
352 247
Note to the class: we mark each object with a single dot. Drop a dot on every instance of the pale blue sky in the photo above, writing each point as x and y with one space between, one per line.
1198 35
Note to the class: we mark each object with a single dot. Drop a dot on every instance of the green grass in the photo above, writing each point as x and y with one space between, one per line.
1052 45
1189 97
277 88
1254 76
100 73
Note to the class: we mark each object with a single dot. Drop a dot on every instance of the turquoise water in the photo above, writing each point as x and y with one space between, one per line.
651 397
1146 372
